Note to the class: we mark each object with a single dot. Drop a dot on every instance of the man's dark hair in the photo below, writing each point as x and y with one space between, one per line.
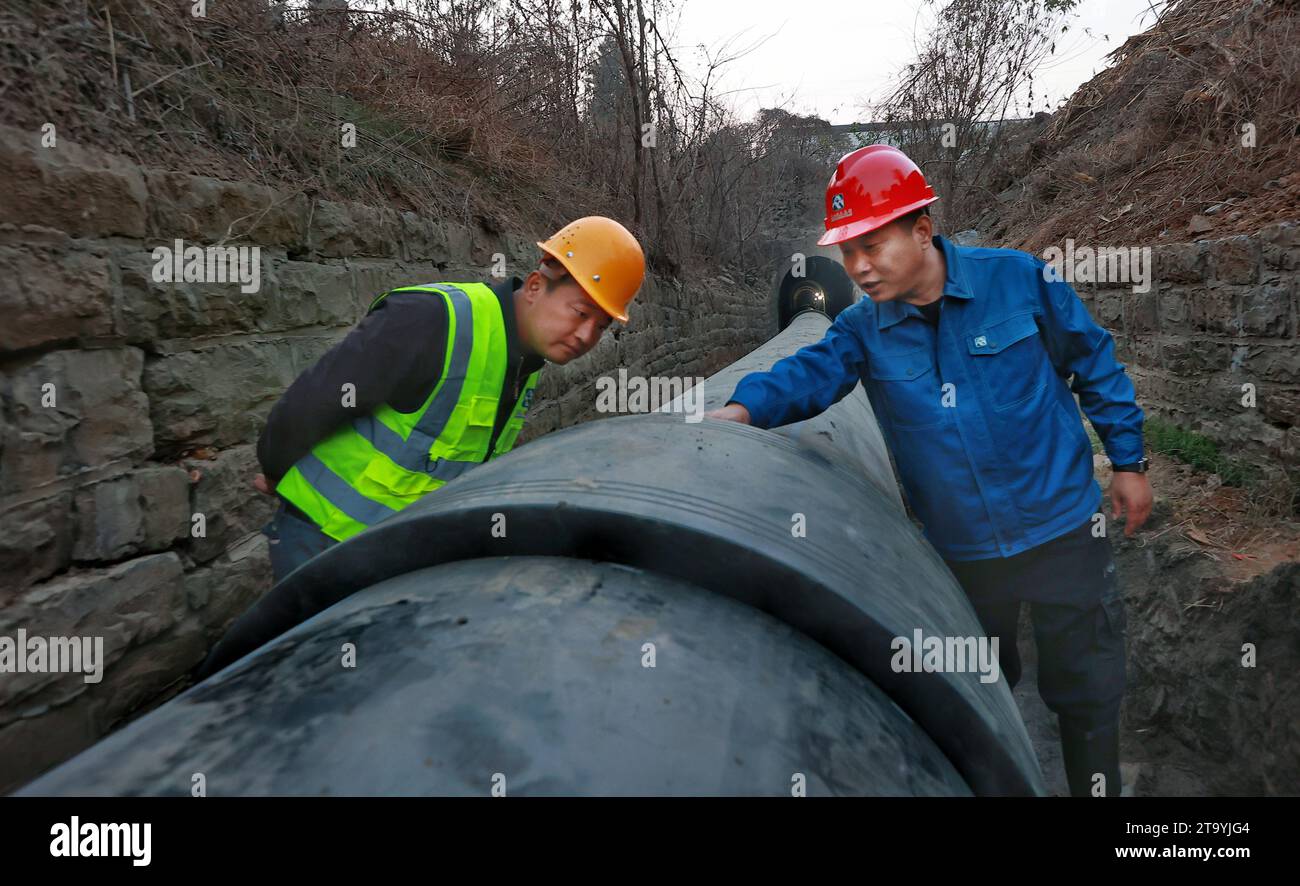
909 221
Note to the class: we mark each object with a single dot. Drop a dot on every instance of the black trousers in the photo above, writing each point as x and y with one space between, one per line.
1080 626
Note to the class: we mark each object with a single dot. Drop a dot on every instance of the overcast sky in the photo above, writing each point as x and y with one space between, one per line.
828 56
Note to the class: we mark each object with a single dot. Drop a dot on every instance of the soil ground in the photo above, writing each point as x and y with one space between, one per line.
1208 573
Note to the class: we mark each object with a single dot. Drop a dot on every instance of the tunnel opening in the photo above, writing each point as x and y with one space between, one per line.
815 283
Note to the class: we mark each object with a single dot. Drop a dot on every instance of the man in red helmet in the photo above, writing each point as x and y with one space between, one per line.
971 359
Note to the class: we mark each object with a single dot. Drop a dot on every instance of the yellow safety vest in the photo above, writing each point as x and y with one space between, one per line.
370 469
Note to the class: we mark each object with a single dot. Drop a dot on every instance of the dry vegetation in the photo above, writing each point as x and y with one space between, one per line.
1159 145
953 109
1191 131
514 113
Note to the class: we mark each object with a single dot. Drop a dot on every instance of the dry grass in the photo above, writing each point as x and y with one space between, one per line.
248 93
1156 138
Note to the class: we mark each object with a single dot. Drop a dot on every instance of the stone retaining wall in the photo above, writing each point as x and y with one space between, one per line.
1222 314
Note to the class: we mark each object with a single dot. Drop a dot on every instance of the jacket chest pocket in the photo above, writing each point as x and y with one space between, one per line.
908 386
1010 360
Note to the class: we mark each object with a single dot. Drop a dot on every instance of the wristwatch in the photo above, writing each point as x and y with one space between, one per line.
1137 467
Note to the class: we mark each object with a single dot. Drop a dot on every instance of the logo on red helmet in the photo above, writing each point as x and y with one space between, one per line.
838 211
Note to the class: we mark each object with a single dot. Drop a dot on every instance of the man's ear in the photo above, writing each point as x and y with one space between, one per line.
923 230
534 285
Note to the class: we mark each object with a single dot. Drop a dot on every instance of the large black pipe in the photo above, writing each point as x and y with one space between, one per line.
501 628
527 673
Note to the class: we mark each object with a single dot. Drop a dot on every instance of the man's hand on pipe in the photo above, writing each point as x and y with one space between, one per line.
730 412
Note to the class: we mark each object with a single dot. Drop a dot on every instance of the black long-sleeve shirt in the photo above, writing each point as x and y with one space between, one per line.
394 356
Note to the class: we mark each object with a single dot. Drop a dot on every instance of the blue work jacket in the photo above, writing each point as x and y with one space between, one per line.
977 411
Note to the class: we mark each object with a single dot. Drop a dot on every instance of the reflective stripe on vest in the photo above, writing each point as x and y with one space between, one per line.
380 463
413 452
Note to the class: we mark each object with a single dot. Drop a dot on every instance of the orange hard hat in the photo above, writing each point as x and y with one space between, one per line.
871 187
604 259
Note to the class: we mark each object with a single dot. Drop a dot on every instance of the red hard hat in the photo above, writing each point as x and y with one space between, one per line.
871 187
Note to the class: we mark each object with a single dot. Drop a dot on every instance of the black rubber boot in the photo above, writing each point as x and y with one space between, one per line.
1089 752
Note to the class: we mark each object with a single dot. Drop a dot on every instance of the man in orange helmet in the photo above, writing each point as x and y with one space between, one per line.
435 380
971 359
